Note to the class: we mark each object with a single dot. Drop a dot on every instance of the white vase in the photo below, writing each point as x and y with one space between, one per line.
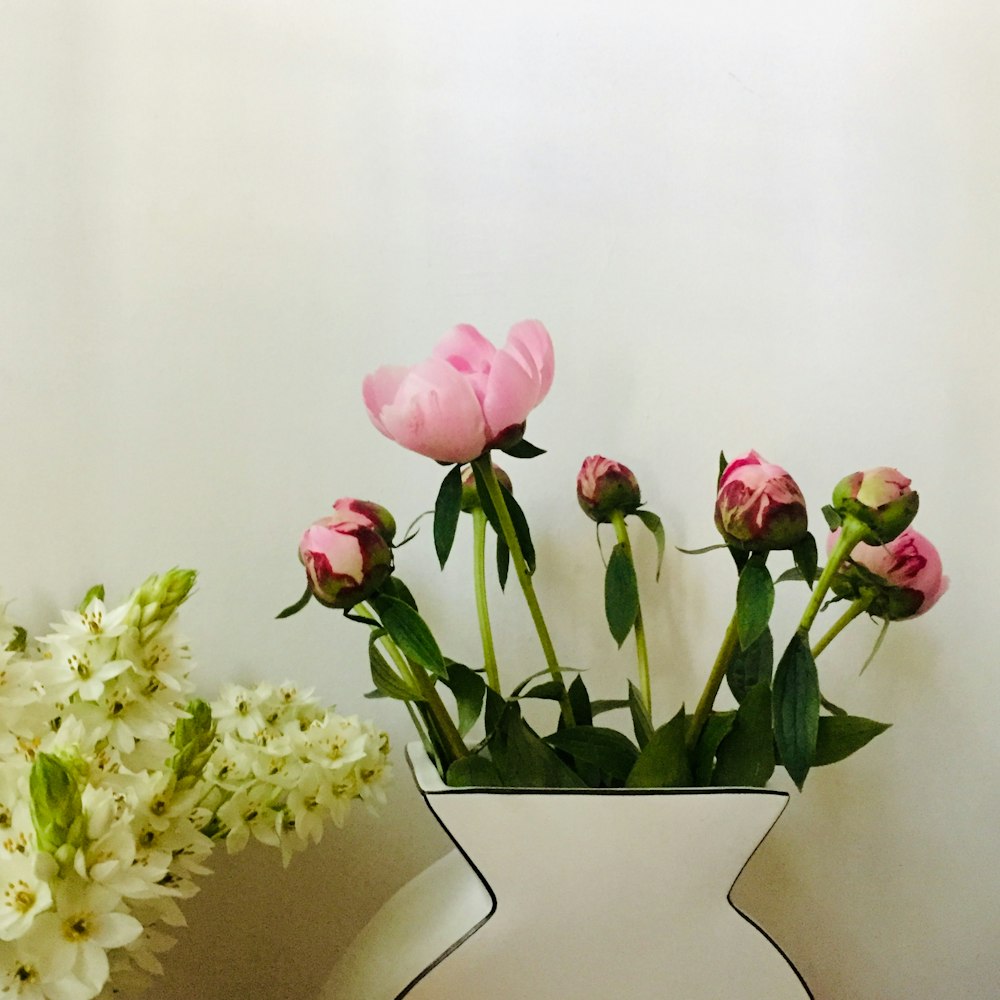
554 894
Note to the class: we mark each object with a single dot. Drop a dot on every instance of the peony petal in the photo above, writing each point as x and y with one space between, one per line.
529 343
435 412
379 390
465 349
511 394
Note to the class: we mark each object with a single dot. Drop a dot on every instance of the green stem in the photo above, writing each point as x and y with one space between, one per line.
852 532
729 643
856 608
482 608
438 716
485 466
642 654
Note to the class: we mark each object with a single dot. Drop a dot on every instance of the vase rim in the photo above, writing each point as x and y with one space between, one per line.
430 783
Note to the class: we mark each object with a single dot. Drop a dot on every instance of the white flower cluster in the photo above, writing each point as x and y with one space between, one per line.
115 783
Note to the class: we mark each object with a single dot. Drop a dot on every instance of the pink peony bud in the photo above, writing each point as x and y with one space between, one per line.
345 562
759 506
347 510
468 397
470 494
604 486
880 498
904 574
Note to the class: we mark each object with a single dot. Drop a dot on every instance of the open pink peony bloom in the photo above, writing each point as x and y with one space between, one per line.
759 506
345 562
467 397
906 573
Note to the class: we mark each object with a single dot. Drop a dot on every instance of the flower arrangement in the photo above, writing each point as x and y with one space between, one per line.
471 400
116 783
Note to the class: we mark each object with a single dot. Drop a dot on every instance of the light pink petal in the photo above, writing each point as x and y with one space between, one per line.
882 485
435 412
529 342
511 394
339 548
465 349
379 390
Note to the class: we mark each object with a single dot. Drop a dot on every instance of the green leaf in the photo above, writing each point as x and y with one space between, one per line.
520 528
503 562
447 507
621 594
796 708
387 682
831 708
722 468
806 558
601 705
641 722
833 519
409 631
579 702
523 449
611 751
746 755
473 771
655 525
663 762
395 587
716 728
752 665
525 761
841 735
297 606
703 549
547 691
469 690
754 601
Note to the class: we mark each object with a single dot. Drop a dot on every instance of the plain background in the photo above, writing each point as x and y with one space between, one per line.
769 225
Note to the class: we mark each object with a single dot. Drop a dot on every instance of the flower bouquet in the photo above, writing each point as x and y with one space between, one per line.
470 401
116 782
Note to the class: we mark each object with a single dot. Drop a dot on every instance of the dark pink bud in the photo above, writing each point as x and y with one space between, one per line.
347 510
345 562
604 486
759 506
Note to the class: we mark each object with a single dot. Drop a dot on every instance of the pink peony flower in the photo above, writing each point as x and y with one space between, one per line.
345 562
879 498
759 506
604 486
905 573
468 397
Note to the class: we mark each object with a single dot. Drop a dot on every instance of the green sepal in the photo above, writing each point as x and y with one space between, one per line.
841 735
878 645
523 449
295 608
523 760
806 558
754 600
703 549
750 666
715 730
613 753
547 691
621 594
96 591
18 642
387 682
469 690
410 632
795 706
447 507
722 468
832 517
746 755
473 771
641 722
663 761
655 524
